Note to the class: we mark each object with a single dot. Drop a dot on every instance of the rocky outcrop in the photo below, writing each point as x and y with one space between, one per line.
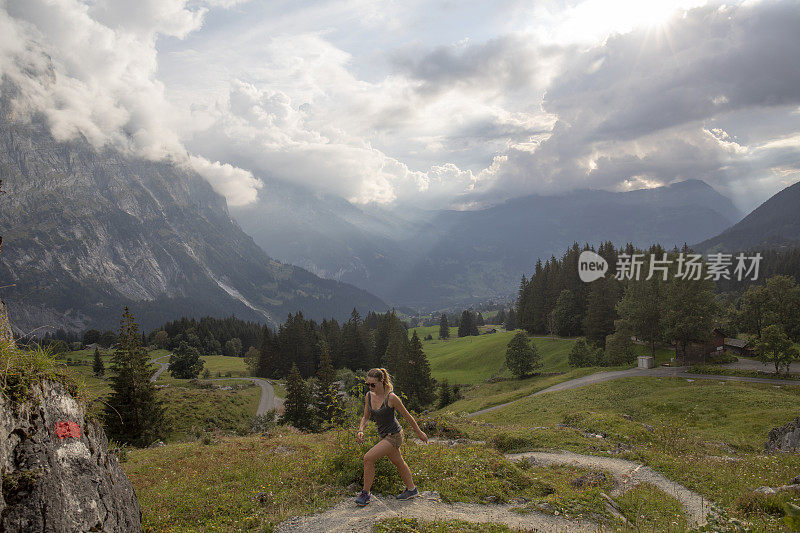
785 438
57 473
6 335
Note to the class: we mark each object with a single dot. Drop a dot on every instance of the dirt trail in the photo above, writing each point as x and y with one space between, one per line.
346 516
628 474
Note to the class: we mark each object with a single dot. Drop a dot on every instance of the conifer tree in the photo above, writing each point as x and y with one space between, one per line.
296 408
445 394
269 365
326 398
419 385
133 414
511 320
444 327
98 367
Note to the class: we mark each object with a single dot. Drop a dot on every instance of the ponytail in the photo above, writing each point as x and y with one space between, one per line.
383 375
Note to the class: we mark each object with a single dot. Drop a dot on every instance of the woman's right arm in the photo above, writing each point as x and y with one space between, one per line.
364 419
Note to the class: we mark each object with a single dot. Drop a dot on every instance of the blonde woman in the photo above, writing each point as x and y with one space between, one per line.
380 404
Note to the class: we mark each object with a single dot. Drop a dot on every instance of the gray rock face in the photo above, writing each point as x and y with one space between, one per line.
6 335
57 474
785 438
88 231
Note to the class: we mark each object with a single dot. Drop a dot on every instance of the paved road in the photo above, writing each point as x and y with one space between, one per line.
268 399
753 364
661 372
161 370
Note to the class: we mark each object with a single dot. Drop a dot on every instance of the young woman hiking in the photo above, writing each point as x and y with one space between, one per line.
380 403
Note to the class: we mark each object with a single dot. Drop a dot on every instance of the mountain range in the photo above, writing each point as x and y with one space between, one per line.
773 224
439 258
87 232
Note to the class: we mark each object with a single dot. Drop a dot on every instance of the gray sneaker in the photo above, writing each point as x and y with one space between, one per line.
363 498
406 494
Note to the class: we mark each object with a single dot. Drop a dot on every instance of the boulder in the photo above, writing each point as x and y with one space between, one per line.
57 473
785 438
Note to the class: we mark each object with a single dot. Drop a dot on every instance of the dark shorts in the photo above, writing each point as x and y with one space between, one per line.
395 439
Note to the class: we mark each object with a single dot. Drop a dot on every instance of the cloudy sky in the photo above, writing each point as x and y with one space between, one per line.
437 103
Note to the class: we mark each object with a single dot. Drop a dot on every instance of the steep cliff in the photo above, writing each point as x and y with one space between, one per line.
87 232
57 472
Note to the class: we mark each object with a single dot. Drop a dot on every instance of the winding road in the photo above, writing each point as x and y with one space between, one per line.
268 399
659 372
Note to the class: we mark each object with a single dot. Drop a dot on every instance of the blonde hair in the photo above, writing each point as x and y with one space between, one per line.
383 375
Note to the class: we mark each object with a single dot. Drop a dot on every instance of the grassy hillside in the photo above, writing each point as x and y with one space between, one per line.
216 487
192 409
707 435
468 360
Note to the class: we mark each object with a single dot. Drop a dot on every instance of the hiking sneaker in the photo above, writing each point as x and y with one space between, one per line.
406 494
363 498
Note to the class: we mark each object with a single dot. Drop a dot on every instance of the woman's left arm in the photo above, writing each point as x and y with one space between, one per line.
397 403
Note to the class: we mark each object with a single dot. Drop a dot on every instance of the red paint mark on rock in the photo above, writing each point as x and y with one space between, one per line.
68 430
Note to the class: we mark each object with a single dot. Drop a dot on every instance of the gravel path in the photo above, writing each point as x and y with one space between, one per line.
346 516
628 474
659 372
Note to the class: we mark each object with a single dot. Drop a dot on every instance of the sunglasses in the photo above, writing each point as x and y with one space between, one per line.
371 385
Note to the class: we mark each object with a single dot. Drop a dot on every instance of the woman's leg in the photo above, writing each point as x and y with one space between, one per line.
374 453
405 472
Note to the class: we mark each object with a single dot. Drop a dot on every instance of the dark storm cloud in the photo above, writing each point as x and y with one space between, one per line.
712 61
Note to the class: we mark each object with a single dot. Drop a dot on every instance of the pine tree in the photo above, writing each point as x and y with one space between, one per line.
98 367
397 354
466 325
511 320
419 388
296 408
601 310
445 395
269 365
444 327
133 414
329 407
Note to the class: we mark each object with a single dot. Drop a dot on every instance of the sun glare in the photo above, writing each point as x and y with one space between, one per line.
595 20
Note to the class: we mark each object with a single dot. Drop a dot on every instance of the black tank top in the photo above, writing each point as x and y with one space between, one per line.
384 417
